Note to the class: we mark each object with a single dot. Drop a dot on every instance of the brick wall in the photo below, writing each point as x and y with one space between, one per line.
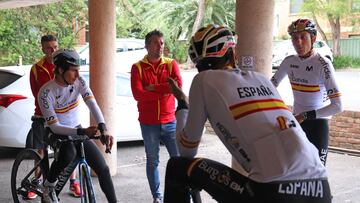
345 130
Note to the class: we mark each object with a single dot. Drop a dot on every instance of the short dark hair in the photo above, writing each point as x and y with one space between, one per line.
48 38
155 32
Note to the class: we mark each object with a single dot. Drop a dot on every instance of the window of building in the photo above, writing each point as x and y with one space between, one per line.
295 6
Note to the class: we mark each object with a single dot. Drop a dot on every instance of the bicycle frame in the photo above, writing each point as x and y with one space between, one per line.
83 165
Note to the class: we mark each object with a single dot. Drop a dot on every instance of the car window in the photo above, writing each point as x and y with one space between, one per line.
123 87
7 78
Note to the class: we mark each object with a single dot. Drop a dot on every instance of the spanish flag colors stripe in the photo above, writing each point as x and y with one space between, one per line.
305 88
66 109
282 122
188 144
245 108
52 121
338 94
191 167
88 97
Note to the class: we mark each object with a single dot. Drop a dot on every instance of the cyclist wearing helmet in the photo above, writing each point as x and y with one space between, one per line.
250 118
59 99
312 77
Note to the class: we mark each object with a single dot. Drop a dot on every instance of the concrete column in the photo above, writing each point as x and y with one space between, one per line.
102 72
254 27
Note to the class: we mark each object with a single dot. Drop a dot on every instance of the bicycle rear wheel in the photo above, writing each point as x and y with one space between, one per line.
22 174
88 194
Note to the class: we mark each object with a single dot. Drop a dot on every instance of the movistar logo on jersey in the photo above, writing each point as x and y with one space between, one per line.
259 91
305 188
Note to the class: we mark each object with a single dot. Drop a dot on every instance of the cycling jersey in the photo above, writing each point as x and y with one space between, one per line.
60 105
313 84
252 121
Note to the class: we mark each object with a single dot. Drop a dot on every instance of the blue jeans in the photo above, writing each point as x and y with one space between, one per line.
152 135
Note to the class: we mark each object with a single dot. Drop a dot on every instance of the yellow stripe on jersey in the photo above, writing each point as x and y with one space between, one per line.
335 95
66 109
194 162
88 97
52 121
305 88
245 108
188 144
282 122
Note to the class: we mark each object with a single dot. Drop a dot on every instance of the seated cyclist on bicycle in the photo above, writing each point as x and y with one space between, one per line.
59 103
252 121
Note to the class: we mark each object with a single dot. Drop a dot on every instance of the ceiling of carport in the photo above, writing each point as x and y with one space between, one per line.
5 4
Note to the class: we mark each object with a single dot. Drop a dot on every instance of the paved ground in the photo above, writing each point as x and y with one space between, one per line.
131 184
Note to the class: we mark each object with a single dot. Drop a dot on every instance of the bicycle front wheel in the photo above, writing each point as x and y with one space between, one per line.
88 194
22 176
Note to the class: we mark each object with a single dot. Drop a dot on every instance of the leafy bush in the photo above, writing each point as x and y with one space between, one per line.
342 62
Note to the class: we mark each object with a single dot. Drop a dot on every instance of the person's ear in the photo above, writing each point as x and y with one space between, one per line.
313 39
61 70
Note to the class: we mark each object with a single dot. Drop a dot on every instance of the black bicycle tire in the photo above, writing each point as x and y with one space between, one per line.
87 189
25 154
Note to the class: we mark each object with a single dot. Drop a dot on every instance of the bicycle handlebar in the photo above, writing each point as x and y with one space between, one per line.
82 138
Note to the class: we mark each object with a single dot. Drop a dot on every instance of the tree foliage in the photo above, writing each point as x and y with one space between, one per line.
336 12
22 28
175 18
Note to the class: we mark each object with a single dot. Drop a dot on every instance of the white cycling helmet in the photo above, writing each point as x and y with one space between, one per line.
66 57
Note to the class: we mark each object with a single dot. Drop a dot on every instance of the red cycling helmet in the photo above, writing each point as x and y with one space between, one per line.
302 25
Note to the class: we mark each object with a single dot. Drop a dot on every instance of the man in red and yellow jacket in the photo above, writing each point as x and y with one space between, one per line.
156 105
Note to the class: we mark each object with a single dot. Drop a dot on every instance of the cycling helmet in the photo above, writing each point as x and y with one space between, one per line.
66 57
212 41
302 25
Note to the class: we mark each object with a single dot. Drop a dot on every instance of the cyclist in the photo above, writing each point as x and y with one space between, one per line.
254 124
40 73
312 77
59 99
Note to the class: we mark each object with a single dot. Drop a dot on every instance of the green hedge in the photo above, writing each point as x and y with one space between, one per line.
342 62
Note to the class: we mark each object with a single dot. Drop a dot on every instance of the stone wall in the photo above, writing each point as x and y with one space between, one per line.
345 130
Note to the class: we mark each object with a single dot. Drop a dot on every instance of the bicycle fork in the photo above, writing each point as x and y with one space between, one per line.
85 179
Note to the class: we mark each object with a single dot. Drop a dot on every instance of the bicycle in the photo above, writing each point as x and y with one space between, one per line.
28 160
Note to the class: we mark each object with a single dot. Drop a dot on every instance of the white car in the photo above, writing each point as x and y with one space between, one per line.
128 51
17 107
282 49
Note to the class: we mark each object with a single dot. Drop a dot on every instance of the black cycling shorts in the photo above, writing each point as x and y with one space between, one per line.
37 133
317 132
228 186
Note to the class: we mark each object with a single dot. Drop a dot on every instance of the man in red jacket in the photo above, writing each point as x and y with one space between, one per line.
156 105
41 73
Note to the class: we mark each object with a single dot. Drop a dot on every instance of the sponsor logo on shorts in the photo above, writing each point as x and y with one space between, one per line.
304 188
221 177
